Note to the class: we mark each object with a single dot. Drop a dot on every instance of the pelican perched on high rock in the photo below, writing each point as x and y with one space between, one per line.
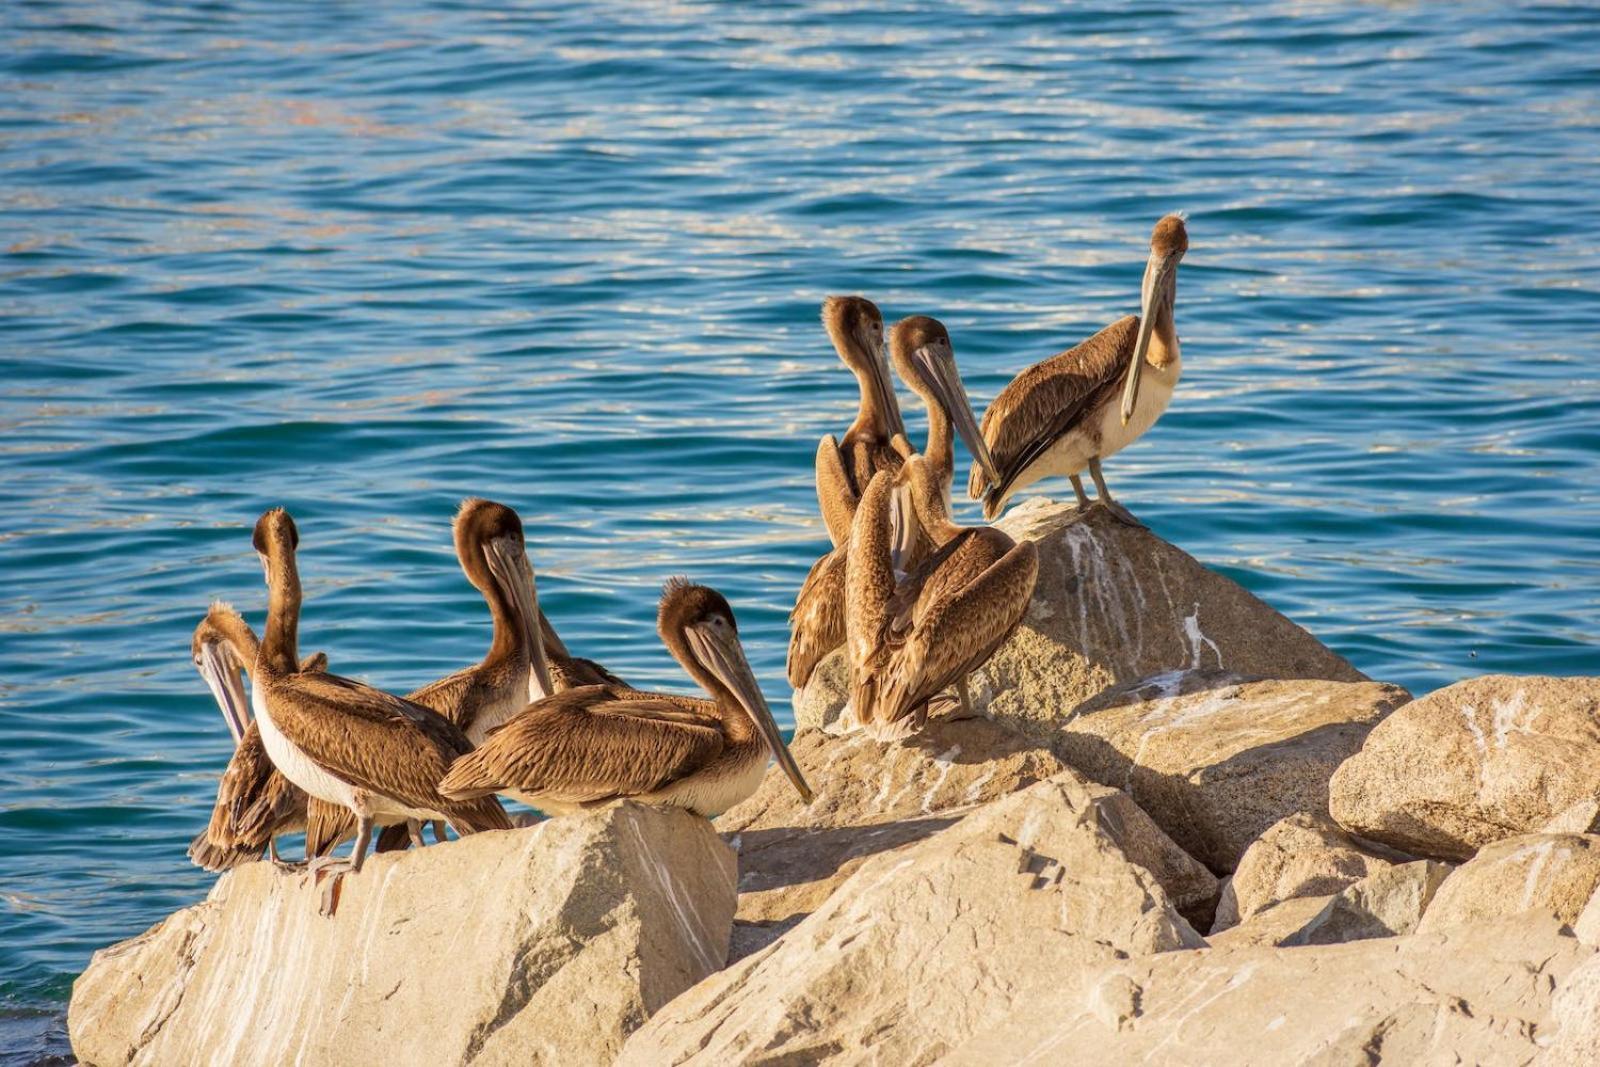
911 638
1064 414
925 360
372 753
855 326
255 804
599 743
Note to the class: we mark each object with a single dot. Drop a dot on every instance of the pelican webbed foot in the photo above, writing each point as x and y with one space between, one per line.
334 871
1118 512
1123 515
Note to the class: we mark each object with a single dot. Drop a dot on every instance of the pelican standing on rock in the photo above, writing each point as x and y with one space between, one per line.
599 743
911 638
255 803
855 326
925 360
368 751
1075 409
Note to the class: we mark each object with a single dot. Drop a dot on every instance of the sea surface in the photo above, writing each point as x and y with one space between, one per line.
365 259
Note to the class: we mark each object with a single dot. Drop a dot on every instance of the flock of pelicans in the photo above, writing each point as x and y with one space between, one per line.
918 601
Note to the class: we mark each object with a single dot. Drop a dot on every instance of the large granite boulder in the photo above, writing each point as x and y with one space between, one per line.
1303 855
1478 761
1113 604
1555 873
547 945
873 797
1479 995
1216 759
925 946
1577 1020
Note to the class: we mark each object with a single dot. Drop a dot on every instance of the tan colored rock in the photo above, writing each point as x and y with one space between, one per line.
547 945
1216 759
1273 925
1473 763
1587 928
874 797
1303 855
1113 604
1478 995
1577 1020
1387 903
1545 872
1580 818
923 947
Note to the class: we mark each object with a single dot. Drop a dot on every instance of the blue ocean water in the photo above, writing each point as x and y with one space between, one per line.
363 260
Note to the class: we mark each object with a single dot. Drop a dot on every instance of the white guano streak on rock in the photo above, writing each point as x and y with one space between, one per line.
1541 854
976 788
943 760
688 916
1097 578
1174 1028
1197 638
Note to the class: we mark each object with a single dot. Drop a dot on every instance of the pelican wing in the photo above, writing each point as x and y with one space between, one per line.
573 672
837 494
371 739
590 744
816 625
956 634
1050 398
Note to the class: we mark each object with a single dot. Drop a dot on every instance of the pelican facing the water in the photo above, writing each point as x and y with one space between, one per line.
855 326
911 638
925 360
255 803
599 743
1064 414
372 753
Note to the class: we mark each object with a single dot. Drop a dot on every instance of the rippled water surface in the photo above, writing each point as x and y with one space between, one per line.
365 259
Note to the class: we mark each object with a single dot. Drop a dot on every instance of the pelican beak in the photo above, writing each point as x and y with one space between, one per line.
1159 275
938 365
266 568
883 385
223 678
720 651
509 566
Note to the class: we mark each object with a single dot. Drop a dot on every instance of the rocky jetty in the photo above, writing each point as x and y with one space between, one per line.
1183 832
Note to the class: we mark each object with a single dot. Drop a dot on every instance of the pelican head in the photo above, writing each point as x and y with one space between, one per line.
222 648
1168 243
494 556
855 326
696 622
275 539
926 361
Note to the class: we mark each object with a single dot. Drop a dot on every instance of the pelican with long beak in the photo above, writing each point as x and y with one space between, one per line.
599 743
372 753
855 326
911 637
925 360
1092 401
255 804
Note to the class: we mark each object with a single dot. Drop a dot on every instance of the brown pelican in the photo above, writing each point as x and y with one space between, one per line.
911 638
925 360
372 753
254 803
855 326
490 546
1063 414
600 743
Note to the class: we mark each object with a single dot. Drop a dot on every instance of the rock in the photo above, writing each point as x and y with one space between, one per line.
1475 762
873 797
1303 855
1577 1019
1216 759
1273 925
1580 818
1587 928
923 947
1468 995
1113 604
547 945
1546 872
1387 903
